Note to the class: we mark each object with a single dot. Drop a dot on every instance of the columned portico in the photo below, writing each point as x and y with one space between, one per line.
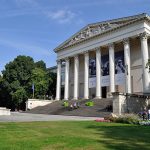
112 67
119 65
144 51
66 79
86 75
127 65
98 73
58 87
76 77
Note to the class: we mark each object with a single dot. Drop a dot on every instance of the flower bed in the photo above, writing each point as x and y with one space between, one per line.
144 123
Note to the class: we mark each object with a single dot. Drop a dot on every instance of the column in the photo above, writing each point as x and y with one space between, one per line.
76 77
144 51
98 74
66 95
86 75
127 65
112 67
58 88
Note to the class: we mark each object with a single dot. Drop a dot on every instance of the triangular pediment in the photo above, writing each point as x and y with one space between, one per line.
94 29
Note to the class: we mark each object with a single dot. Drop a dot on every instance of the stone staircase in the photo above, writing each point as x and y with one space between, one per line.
57 108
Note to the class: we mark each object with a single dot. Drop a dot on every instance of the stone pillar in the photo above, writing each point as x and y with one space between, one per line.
86 76
98 74
127 65
66 95
76 77
112 67
58 88
144 51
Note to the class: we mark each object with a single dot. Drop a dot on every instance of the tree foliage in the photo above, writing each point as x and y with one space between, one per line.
40 64
40 80
17 79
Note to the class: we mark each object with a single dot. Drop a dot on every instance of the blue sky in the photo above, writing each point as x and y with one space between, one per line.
35 27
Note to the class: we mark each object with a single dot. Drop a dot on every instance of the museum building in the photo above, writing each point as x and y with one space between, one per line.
106 57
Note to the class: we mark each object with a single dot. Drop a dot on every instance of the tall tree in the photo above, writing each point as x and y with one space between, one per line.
16 78
40 64
40 80
52 83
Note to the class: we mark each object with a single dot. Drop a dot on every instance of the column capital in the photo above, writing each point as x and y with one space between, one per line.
144 36
110 45
58 61
76 57
86 53
125 41
66 59
97 49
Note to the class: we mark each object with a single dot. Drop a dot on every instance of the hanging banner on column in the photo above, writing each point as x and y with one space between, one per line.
105 78
92 67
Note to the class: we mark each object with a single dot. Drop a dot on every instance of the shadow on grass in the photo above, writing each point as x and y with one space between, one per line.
122 136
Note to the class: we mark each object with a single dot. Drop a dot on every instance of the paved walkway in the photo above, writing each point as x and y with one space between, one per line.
25 117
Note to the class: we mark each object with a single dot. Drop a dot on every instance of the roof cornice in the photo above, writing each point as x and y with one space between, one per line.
138 18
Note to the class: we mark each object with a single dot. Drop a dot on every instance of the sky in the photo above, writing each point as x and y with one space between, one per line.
35 27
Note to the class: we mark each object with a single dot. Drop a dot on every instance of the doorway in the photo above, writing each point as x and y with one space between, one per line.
104 92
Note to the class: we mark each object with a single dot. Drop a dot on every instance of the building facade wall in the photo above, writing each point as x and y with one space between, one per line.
136 69
107 44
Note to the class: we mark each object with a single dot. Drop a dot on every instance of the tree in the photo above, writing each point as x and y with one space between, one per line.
40 64
19 97
40 80
16 78
19 70
5 97
52 83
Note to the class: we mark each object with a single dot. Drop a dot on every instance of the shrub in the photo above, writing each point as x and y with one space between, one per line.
145 123
127 118
65 104
89 103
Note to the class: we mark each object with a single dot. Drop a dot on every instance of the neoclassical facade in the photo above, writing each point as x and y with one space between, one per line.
106 57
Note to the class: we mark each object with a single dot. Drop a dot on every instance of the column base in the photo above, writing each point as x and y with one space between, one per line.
57 99
86 98
98 97
65 99
75 98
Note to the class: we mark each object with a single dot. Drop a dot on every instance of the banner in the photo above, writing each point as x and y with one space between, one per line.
105 78
92 67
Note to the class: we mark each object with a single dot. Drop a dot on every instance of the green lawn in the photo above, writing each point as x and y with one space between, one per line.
77 135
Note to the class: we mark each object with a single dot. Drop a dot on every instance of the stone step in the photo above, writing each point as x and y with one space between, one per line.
57 108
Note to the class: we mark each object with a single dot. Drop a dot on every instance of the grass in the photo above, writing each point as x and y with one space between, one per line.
73 135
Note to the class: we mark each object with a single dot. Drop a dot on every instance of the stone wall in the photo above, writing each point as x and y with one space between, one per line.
129 103
4 111
32 103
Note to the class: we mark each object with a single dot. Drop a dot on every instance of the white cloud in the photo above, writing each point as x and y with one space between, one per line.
62 16
26 2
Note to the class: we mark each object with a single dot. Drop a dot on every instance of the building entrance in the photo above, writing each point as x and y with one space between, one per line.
104 92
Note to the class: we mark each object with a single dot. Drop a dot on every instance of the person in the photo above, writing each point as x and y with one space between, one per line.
149 114
144 115
78 105
71 107
75 105
106 69
119 67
